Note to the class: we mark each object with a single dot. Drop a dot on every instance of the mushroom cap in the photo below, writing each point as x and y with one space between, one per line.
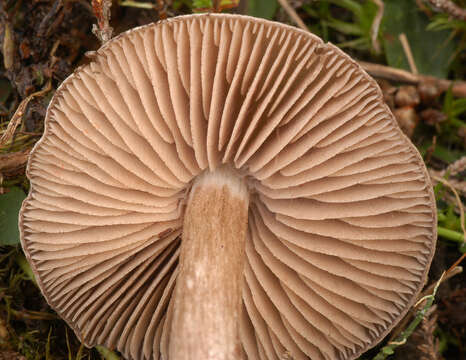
342 219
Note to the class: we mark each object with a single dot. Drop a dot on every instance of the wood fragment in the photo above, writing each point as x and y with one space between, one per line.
12 162
161 9
216 5
102 30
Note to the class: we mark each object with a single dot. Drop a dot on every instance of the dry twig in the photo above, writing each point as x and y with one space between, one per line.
428 345
453 271
293 14
426 298
450 8
402 337
408 53
13 161
32 315
457 167
458 88
18 115
45 25
453 169
423 7
376 25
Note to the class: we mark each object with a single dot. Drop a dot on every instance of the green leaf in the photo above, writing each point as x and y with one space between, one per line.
208 4
106 353
459 107
345 27
202 4
432 50
443 21
262 8
388 351
462 247
359 43
448 101
446 155
10 203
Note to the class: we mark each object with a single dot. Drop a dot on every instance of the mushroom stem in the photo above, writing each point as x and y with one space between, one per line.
207 299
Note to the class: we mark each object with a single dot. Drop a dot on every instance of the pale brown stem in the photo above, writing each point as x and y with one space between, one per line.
207 298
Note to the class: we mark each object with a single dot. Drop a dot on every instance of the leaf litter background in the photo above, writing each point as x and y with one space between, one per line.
42 41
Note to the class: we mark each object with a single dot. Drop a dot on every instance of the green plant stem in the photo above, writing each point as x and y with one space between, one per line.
106 353
450 234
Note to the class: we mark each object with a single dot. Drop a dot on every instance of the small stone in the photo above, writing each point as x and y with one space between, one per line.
388 91
428 91
407 96
433 116
407 119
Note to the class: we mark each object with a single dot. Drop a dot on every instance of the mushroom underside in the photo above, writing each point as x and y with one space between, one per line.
339 223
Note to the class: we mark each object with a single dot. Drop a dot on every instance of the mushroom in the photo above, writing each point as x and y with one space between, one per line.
224 187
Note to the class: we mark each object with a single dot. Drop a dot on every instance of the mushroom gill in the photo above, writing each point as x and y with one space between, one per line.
341 216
